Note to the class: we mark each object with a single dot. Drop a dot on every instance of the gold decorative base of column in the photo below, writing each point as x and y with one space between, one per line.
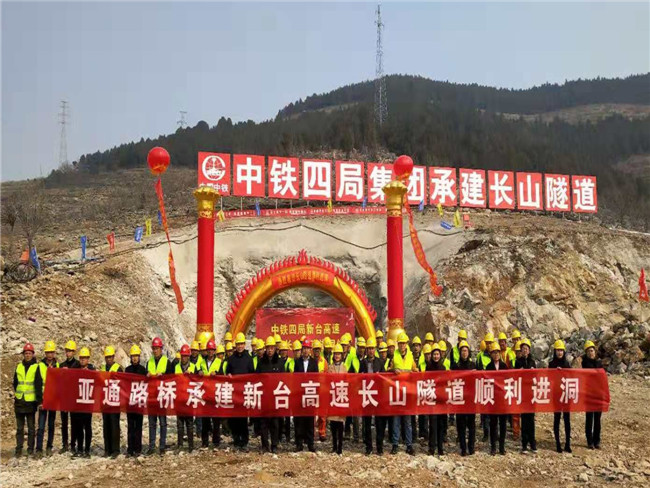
395 328
204 333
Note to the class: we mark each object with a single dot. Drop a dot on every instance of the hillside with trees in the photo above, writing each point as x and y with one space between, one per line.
438 123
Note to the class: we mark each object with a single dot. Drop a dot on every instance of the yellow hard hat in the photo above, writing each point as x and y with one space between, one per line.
49 347
372 342
463 344
559 344
327 343
84 353
135 350
443 345
383 347
109 351
71 346
297 346
503 336
518 346
379 334
229 346
390 342
178 355
516 334
416 340
482 346
338 348
284 345
220 349
402 337
489 337
203 345
462 334
435 347
195 346
526 342
426 349
429 337
494 347
261 344
270 341
228 336
277 337
254 342
316 344
348 335
240 339
361 342
345 341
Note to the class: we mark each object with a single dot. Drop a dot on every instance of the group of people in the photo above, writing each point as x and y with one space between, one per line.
272 356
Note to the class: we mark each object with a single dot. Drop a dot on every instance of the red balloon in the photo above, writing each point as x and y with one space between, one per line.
158 160
403 166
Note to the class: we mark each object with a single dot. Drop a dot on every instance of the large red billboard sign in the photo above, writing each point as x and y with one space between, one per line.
312 323
326 394
293 178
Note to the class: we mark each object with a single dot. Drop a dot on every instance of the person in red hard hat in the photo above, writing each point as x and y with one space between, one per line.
157 365
28 395
185 423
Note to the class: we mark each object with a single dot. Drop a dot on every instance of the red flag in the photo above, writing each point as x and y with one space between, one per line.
419 252
172 268
111 241
643 288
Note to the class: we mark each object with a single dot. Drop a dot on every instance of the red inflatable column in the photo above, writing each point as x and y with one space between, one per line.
205 198
395 192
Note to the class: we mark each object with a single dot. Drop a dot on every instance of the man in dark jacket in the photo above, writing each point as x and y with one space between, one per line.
436 423
592 419
134 420
240 363
527 419
46 417
70 362
560 361
28 396
372 364
304 426
270 363
465 422
497 420
158 365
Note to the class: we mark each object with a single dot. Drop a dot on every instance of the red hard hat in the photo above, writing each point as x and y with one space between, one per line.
306 343
185 350
28 347
157 342
211 345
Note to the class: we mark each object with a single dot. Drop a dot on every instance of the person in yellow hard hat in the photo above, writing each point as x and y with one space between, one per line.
514 338
391 345
402 362
46 417
28 396
328 344
482 361
352 364
383 354
227 338
560 361
158 364
592 419
507 354
211 426
418 423
240 363
455 352
111 421
426 354
527 419
185 423
82 422
361 347
337 366
134 420
428 339
289 364
497 422
270 363
465 423
436 423
70 362
304 425
195 357
230 349
317 351
203 352
372 364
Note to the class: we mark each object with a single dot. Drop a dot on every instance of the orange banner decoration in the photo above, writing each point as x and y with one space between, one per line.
172 268
419 252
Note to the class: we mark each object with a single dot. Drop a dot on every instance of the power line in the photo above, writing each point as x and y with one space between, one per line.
381 105
63 144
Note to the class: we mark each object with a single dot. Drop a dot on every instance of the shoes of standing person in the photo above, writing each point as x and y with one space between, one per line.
393 450
567 448
410 451
596 446
558 447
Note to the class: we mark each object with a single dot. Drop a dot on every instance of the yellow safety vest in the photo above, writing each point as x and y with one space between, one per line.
386 364
403 363
25 389
422 363
114 368
161 368
446 363
289 365
43 367
214 367
198 364
321 364
352 361
191 369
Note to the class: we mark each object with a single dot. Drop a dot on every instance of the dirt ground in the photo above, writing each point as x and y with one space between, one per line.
624 460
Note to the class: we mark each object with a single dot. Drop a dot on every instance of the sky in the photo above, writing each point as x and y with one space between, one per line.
128 68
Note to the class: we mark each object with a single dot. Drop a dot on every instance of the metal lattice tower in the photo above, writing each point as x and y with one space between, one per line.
181 123
63 145
381 105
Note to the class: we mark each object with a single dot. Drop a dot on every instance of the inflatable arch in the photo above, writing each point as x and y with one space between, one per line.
301 271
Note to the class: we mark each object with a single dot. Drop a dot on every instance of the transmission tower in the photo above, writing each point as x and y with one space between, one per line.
63 146
181 122
381 106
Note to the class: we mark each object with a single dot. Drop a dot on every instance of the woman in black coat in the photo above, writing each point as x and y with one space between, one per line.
560 361
592 419
436 432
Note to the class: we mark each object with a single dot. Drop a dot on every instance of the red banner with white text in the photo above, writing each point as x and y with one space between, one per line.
312 323
329 394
